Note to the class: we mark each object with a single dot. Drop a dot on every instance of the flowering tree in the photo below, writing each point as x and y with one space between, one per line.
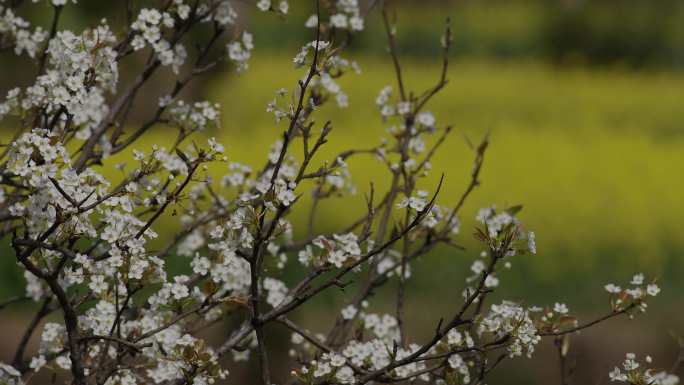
82 240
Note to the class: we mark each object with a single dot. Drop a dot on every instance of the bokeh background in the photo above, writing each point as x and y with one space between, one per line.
584 103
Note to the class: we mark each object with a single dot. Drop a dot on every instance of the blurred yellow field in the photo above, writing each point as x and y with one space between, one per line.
595 156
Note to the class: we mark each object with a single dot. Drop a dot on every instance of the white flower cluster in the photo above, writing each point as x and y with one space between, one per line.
274 249
238 177
11 103
225 13
339 251
330 67
416 203
227 270
268 5
384 327
330 366
58 3
301 346
373 354
510 319
439 214
501 223
553 319
80 68
240 50
60 195
383 102
349 312
424 121
184 353
369 355
478 267
35 157
53 338
500 246
494 221
633 372
183 10
390 264
459 365
282 186
339 177
348 16
457 339
17 30
277 291
549 314
309 48
39 161
411 125
9 375
279 113
52 342
633 296
149 27
197 116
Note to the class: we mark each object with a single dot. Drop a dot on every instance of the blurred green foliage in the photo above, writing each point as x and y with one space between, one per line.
631 33
593 155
